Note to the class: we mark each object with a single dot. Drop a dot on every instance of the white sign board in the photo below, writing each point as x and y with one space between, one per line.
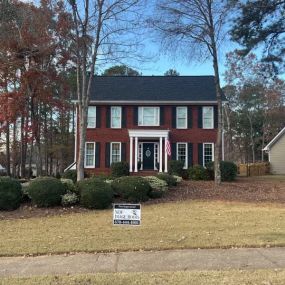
127 214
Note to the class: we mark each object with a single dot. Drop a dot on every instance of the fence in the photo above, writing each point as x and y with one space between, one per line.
254 169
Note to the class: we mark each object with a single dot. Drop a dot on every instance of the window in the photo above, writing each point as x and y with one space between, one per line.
208 117
148 116
115 152
181 117
208 153
116 117
91 119
182 153
89 154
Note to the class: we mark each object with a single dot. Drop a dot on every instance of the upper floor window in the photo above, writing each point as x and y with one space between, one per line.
91 119
115 152
116 117
182 153
181 117
208 117
208 153
148 116
90 154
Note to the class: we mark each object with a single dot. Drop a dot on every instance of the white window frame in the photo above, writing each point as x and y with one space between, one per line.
156 124
212 125
186 153
186 119
94 156
94 119
213 152
111 151
120 108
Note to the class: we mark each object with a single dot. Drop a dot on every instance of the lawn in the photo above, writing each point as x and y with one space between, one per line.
176 225
233 277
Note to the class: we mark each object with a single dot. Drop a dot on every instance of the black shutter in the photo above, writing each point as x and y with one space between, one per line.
97 155
135 114
190 154
215 117
200 154
189 115
123 152
98 117
107 155
108 117
161 111
200 117
174 117
124 117
173 151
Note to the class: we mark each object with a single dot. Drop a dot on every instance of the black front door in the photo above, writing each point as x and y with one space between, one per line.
148 156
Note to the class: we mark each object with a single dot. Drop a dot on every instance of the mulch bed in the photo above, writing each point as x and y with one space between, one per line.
242 190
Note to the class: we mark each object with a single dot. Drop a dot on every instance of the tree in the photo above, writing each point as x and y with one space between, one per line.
120 70
194 27
261 23
171 72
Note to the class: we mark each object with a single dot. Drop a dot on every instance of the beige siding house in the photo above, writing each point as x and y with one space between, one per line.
276 153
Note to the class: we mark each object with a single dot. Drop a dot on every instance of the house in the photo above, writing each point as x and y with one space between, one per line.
141 119
276 153
2 169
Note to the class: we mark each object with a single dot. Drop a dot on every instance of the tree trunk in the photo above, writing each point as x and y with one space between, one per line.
8 164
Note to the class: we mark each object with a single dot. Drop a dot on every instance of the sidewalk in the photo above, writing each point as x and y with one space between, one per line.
149 261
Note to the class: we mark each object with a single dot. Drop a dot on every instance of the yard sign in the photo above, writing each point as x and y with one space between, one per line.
127 214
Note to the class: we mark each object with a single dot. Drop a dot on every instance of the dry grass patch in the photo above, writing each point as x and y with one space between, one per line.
164 226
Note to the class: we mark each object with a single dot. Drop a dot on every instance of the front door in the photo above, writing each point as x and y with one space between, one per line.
148 156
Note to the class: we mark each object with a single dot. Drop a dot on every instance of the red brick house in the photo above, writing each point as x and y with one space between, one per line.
135 119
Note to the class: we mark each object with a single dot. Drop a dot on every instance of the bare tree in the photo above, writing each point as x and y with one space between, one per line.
195 27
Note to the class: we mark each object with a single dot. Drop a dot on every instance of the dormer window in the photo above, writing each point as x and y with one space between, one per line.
148 116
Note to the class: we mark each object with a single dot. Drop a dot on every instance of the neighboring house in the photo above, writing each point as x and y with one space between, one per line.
2 169
136 119
276 153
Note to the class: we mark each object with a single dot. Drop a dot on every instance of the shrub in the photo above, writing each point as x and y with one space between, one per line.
198 172
70 174
10 193
176 167
46 191
158 186
132 189
185 174
169 179
69 185
228 170
69 199
95 193
25 194
178 178
119 169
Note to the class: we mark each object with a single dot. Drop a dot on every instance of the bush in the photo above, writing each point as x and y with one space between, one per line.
69 185
185 174
169 179
198 172
176 167
46 191
158 186
69 199
119 169
132 189
228 170
10 193
178 178
70 174
95 193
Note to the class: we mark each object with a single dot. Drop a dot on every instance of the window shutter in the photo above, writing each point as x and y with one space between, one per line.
123 152
190 154
174 117
215 117
173 151
200 117
124 117
107 155
161 112
189 115
97 155
98 117
135 114
108 117
200 154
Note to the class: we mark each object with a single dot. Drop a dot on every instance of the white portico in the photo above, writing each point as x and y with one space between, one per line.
147 150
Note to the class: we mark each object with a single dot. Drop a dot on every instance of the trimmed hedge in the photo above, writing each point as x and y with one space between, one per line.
70 174
69 199
169 179
131 188
228 170
158 186
69 185
176 167
10 193
46 191
95 193
198 172
119 169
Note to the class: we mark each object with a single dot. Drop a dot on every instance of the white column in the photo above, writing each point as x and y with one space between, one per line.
136 154
160 154
165 156
131 154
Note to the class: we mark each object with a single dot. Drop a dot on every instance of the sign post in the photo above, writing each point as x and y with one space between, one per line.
127 214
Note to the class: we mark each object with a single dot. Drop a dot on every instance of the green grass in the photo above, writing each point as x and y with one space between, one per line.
188 224
233 277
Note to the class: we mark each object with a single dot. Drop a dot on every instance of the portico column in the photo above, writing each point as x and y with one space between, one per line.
131 154
136 154
160 154
165 156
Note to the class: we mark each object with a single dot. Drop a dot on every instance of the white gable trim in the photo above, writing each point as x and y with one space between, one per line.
275 139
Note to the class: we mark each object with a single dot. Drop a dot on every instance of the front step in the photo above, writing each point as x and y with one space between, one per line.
145 173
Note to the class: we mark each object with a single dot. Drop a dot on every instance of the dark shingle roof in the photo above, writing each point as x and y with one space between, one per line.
153 88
